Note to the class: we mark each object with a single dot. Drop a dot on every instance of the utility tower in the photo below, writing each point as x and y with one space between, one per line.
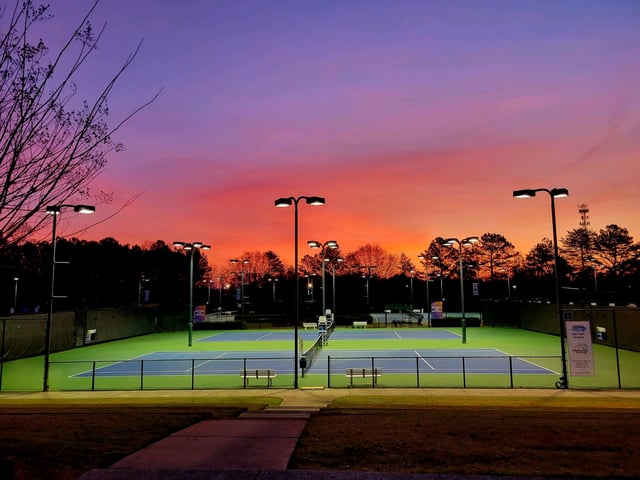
584 216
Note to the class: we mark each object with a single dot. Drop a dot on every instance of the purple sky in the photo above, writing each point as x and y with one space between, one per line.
415 119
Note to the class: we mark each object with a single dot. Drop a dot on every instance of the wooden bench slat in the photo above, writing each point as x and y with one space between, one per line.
258 373
372 373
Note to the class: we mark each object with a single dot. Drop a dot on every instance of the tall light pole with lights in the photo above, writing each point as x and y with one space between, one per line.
220 279
426 281
333 276
273 281
282 203
242 263
437 261
412 273
329 244
15 295
55 210
368 269
190 247
209 282
468 241
553 194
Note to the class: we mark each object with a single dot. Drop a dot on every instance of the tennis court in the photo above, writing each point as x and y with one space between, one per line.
338 334
320 359
489 361
404 357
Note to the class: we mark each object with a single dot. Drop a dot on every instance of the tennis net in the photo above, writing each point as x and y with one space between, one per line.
310 354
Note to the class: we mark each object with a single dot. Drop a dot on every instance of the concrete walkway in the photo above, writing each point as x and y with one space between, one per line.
258 445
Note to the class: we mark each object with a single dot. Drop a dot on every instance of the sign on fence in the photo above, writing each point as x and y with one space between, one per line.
436 309
580 346
200 313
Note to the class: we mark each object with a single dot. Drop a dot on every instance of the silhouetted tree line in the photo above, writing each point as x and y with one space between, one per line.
594 266
98 274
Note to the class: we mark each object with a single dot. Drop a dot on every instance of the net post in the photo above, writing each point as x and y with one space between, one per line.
464 374
244 372
511 370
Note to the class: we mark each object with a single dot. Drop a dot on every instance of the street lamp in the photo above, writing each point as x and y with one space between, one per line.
508 275
436 261
190 247
333 275
209 282
411 273
595 265
220 294
468 241
331 244
242 264
273 281
282 203
368 269
141 280
55 210
426 281
15 295
553 194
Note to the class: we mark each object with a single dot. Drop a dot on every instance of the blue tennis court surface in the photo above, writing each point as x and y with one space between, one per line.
426 361
338 334
478 361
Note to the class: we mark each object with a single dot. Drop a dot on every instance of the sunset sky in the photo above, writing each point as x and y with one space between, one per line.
415 119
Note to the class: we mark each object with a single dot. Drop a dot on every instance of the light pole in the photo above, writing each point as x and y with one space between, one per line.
468 241
411 273
331 244
595 264
220 294
190 247
209 282
309 287
508 284
273 281
426 282
553 194
15 295
242 264
333 275
287 202
436 260
55 210
368 269
141 280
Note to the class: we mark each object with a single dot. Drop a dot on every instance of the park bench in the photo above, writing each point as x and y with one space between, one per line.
372 373
307 325
258 373
360 324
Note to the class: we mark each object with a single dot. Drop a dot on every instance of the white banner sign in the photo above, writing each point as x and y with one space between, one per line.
580 347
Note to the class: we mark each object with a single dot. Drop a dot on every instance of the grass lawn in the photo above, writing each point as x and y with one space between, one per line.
505 435
503 439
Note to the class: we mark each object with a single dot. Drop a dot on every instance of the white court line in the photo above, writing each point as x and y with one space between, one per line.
206 361
397 334
528 361
264 336
424 360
